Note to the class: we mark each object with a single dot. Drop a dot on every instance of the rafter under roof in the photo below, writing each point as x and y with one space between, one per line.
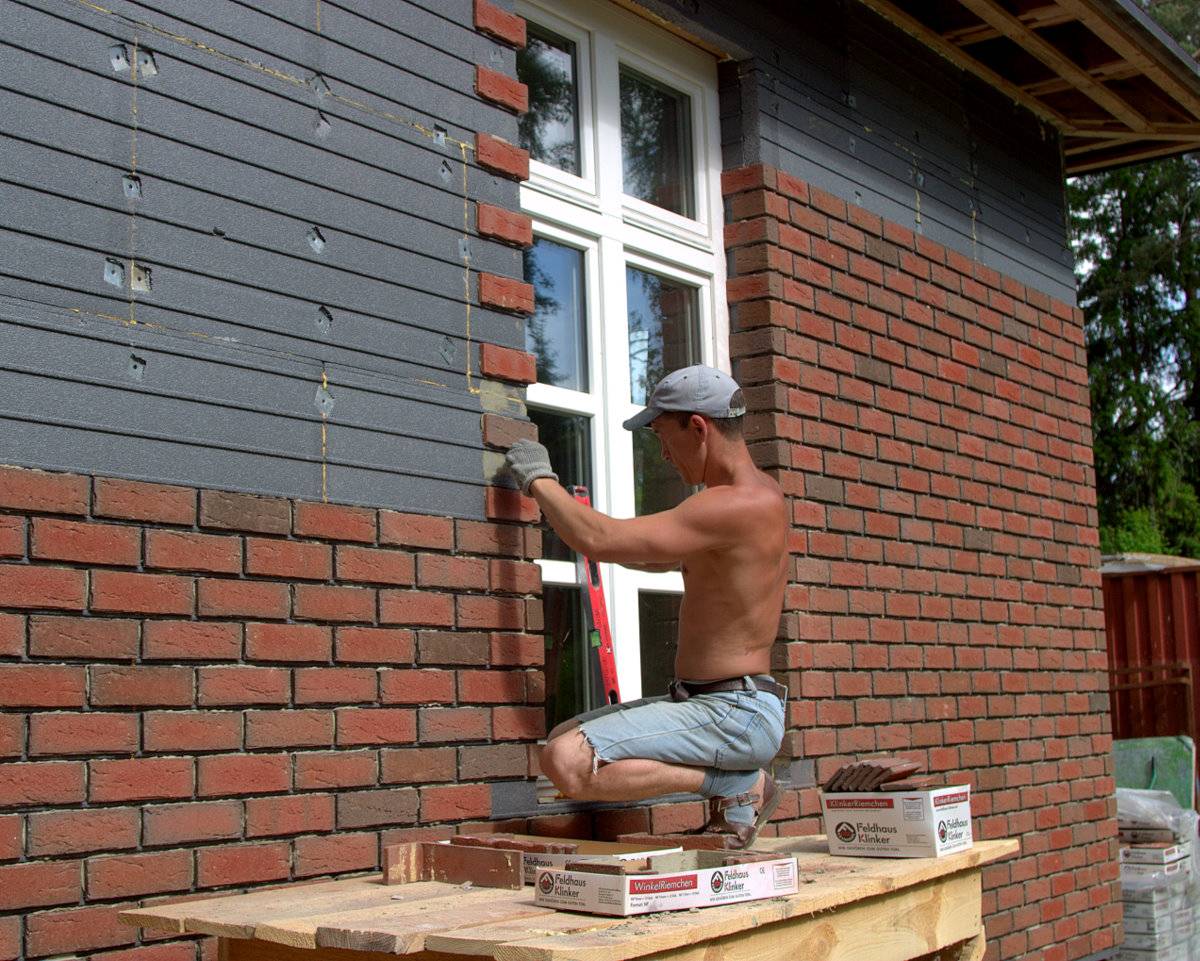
1120 90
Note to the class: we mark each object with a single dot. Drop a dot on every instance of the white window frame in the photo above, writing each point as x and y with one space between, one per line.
591 212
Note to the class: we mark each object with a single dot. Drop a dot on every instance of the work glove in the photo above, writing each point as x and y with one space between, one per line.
528 460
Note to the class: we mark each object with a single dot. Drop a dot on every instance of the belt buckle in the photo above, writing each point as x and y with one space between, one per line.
678 690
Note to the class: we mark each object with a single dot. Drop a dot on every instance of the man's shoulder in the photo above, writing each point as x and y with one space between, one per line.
755 495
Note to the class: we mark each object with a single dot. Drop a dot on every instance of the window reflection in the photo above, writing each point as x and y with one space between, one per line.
568 438
656 143
658 615
556 333
572 665
663 330
657 486
550 128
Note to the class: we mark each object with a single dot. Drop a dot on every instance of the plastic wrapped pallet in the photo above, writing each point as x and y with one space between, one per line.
1158 886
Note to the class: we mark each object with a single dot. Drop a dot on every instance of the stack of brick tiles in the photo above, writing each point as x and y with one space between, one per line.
201 691
929 420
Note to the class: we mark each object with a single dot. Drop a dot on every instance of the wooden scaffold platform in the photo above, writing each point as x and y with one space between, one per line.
847 909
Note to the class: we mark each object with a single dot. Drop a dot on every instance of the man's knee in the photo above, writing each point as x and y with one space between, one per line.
568 761
560 729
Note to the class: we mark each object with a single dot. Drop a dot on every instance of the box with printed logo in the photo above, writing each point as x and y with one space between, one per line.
898 824
678 882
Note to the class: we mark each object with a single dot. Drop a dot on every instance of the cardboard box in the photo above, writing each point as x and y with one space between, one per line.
674 883
1177 952
898 824
1134 874
601 852
1146 901
1154 853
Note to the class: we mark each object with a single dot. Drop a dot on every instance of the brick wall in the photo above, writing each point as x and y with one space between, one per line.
202 690
929 419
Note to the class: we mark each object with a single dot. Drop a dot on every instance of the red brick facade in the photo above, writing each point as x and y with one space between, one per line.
929 419
202 690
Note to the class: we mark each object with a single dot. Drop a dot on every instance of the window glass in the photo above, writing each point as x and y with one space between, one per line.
658 616
656 143
572 666
568 437
657 486
556 334
663 330
550 128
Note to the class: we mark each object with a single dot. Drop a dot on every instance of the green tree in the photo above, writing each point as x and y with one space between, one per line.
1136 233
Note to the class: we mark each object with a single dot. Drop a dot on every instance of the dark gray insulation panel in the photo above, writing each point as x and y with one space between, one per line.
287 198
833 94
288 208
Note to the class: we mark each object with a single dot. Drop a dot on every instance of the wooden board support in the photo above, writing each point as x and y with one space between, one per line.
236 910
405 934
482 940
919 920
453 864
400 914
847 909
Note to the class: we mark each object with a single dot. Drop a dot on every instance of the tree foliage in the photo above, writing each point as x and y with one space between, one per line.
1136 234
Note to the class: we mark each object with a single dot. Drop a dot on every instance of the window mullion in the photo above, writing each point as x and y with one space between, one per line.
607 120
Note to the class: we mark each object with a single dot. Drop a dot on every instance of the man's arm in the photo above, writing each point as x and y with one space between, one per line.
658 541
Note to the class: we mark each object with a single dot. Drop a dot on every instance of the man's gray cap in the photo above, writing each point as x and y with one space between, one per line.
694 390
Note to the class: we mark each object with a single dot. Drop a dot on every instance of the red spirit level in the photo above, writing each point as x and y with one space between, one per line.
598 632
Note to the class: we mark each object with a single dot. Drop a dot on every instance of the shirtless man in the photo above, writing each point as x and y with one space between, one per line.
722 723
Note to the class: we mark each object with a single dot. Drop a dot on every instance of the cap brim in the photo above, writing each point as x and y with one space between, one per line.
643 419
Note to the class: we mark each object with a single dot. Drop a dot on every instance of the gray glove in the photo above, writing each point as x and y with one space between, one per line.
528 460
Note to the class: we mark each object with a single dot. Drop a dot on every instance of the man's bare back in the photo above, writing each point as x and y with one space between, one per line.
732 596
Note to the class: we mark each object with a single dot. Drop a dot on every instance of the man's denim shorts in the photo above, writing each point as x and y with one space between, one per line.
726 731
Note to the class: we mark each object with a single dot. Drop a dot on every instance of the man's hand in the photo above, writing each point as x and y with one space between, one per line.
528 460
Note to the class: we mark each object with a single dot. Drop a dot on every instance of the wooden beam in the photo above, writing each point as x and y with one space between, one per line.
1048 16
1033 43
1085 166
1116 37
1113 70
1161 131
931 38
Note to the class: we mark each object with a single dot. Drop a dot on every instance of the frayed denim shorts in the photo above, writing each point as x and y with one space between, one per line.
725 730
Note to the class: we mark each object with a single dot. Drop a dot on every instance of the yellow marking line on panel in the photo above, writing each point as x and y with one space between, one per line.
471 388
133 108
324 442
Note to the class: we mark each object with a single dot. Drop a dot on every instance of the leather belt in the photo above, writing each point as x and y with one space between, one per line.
682 690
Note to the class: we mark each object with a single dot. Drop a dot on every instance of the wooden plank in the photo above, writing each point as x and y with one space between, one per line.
175 915
484 939
1033 42
1049 15
842 882
248 919
931 38
904 924
405 933
266 951
1117 37
300 930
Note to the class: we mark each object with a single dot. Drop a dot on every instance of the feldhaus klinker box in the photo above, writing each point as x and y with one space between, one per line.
599 851
898 824
674 883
